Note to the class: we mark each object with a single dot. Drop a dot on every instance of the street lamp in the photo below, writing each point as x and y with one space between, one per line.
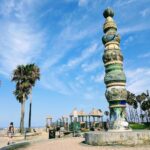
75 119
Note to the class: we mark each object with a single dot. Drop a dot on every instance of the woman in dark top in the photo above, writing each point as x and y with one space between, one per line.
10 133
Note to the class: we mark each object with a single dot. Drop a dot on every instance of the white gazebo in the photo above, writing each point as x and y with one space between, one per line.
96 115
74 115
48 122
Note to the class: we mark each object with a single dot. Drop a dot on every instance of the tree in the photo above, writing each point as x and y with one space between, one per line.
33 76
22 90
145 106
106 113
140 98
131 101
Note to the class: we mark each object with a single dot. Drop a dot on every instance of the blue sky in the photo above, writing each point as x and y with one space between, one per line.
63 37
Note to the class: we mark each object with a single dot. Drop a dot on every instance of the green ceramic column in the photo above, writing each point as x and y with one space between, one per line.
115 79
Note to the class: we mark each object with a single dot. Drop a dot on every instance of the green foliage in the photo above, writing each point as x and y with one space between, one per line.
20 76
25 77
139 126
145 105
140 98
143 101
75 126
131 98
106 113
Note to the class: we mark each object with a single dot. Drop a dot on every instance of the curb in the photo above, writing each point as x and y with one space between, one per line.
15 145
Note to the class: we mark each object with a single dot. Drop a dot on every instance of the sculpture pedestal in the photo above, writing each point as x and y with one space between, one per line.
120 125
118 138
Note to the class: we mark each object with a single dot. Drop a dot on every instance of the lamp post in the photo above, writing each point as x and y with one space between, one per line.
75 119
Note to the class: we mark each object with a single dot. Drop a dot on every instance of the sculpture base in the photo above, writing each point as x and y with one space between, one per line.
120 125
118 138
120 130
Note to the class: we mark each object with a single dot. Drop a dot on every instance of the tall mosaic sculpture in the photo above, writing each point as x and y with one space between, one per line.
115 79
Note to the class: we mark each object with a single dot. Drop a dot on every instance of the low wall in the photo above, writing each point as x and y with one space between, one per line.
118 138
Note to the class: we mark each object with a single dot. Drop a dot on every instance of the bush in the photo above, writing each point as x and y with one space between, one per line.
139 126
84 130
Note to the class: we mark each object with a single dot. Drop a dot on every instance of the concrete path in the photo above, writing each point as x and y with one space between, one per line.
19 139
76 144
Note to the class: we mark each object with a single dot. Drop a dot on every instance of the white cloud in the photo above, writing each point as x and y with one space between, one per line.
82 2
98 78
120 3
88 52
80 79
138 80
88 67
128 40
18 47
65 41
145 55
52 82
92 94
136 28
20 42
7 7
145 12
17 9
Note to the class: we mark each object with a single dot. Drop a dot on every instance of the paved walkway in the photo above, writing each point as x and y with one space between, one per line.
16 139
76 144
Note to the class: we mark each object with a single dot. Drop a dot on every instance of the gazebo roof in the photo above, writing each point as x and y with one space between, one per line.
49 117
64 117
81 113
96 112
74 112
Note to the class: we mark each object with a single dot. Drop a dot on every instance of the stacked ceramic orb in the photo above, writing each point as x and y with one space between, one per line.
115 79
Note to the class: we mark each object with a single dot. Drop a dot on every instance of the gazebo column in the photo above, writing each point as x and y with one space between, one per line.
86 122
78 118
50 121
46 124
93 118
71 119
99 122
67 124
89 122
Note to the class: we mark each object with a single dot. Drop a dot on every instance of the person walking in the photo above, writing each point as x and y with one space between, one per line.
10 133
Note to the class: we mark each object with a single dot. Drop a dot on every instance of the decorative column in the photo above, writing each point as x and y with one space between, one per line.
115 79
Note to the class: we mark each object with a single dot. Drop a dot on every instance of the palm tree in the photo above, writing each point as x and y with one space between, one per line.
106 113
136 116
131 101
140 98
33 76
145 106
22 90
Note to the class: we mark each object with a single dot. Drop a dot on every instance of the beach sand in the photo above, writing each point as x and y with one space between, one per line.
19 138
76 144
41 142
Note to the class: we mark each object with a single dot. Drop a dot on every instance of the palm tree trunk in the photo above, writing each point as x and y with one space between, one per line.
30 110
22 116
141 113
130 113
134 114
137 116
146 116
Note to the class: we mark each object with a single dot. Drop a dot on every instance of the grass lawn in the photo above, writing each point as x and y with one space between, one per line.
139 126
